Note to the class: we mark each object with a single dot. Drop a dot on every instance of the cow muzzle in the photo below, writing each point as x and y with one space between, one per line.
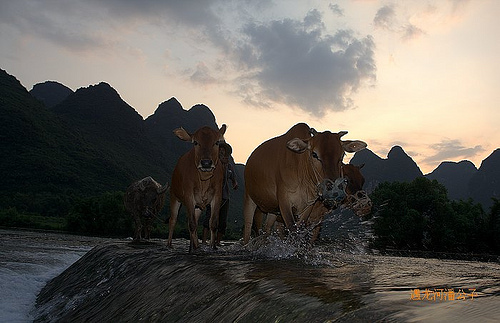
332 193
206 165
360 203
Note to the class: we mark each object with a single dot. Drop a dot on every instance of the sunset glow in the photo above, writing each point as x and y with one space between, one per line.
424 75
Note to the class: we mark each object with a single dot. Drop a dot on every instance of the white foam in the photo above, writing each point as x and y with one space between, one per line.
27 262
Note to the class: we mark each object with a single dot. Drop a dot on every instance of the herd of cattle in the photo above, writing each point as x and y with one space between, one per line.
295 179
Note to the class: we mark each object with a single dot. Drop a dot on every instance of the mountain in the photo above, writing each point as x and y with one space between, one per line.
88 143
455 177
398 166
41 154
116 130
91 141
485 183
462 180
51 93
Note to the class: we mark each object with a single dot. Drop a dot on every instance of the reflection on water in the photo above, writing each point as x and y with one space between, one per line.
131 282
269 280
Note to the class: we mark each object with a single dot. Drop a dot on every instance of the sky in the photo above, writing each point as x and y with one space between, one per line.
424 75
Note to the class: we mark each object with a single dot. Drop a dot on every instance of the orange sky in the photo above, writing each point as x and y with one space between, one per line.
420 74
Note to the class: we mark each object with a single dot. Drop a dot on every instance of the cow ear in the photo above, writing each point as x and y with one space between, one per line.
182 134
352 146
222 131
297 145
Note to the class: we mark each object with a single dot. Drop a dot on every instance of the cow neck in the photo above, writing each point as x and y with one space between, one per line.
317 176
205 176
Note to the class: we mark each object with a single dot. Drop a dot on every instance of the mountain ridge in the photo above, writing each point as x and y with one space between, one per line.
133 147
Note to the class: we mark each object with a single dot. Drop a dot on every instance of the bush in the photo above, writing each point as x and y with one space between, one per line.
103 215
419 216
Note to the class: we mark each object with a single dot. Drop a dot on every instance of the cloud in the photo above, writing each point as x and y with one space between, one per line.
93 24
202 75
452 150
385 17
335 8
293 62
410 32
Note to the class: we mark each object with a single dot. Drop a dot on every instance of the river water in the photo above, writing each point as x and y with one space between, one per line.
267 281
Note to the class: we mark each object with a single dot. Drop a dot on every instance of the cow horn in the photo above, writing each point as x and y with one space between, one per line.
163 189
342 133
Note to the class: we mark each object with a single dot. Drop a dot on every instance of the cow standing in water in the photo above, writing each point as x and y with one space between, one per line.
356 199
290 173
197 181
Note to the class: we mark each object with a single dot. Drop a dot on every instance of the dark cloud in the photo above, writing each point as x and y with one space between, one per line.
293 62
335 8
93 24
452 150
385 17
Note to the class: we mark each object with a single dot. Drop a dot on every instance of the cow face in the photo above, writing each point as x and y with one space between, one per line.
326 151
355 179
357 199
206 146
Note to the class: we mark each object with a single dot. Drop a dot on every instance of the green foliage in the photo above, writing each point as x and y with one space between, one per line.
102 215
13 218
419 216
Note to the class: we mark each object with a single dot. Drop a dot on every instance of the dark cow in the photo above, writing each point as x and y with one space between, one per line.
290 173
144 200
197 181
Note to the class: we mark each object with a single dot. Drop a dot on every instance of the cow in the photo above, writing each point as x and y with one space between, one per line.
197 182
356 199
144 200
288 174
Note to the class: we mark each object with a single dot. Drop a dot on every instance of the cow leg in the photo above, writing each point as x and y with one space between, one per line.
214 222
287 215
193 214
174 211
248 214
147 228
270 221
138 227
258 219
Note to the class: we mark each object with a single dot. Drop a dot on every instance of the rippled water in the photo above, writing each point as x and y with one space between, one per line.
267 281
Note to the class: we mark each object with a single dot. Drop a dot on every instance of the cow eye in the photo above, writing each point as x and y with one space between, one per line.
315 155
195 143
217 143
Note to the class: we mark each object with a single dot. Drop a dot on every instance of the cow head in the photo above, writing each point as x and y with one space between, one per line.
206 146
326 151
357 199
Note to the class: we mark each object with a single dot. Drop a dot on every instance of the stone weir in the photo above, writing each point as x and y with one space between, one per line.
129 282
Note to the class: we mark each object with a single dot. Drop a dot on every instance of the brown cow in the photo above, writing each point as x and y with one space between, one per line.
197 181
144 200
356 199
289 173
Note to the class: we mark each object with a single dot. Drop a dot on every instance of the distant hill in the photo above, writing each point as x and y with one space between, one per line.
51 93
485 183
398 166
55 141
41 154
455 177
462 179
87 142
